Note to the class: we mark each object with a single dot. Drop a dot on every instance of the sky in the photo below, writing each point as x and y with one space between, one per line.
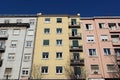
86 8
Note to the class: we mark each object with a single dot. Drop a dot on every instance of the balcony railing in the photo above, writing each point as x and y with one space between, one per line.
116 43
76 49
77 62
75 36
74 25
114 30
15 25
1 62
3 36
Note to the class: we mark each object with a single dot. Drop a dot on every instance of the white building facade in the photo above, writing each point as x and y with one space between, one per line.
17 34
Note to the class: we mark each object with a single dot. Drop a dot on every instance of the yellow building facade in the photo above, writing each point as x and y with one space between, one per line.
58 51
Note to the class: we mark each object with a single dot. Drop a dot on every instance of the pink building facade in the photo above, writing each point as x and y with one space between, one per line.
102 47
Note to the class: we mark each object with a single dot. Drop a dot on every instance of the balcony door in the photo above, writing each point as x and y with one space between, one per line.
74 32
77 72
75 43
73 21
76 56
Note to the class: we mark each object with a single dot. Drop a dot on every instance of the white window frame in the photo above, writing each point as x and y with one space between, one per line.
90 38
59 70
47 20
14 43
11 56
111 70
27 57
90 27
58 30
45 55
106 49
19 21
60 55
26 72
94 53
59 42
104 37
31 21
30 32
45 30
16 31
29 43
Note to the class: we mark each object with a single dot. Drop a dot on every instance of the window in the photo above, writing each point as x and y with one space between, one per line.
73 22
47 30
59 20
119 26
58 55
59 42
117 52
89 27
94 69
19 21
110 68
2 44
7 21
107 51
112 26
59 30
47 20
92 52
16 31
32 21
14 43
8 71
44 69
45 42
74 32
59 69
11 56
101 25
90 38
25 72
27 56
75 43
28 43
3 32
30 32
45 55
104 37
76 56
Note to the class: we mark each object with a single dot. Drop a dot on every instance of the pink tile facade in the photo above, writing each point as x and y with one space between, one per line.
106 47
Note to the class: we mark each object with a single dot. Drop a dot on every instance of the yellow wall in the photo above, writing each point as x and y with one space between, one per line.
52 62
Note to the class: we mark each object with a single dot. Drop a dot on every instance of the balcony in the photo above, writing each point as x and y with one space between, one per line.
77 62
116 43
15 25
74 25
1 62
118 58
75 36
76 49
2 47
3 36
114 30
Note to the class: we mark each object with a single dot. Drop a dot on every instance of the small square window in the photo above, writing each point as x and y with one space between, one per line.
16 31
90 38
101 25
25 72
92 52
27 56
47 30
110 68
11 56
46 42
59 20
47 20
14 43
59 42
107 51
59 30
59 69
45 55
104 37
32 21
6 21
44 69
94 69
8 71
58 55
89 27
30 32
19 21
28 43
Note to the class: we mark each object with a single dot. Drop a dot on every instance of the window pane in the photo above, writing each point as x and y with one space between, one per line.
59 20
16 31
45 42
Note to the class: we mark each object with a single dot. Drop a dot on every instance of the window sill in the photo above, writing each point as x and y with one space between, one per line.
59 58
28 47
44 73
93 56
45 58
59 45
91 42
10 60
59 73
26 60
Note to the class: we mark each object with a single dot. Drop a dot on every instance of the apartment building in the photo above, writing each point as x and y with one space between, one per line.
58 52
102 47
17 33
